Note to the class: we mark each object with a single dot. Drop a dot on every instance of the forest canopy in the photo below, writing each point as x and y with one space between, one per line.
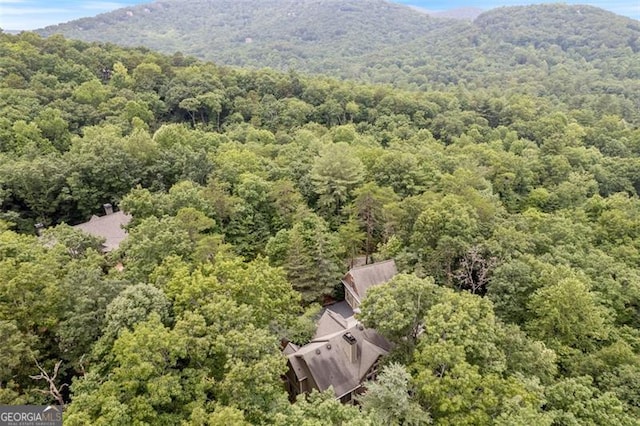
513 217
571 52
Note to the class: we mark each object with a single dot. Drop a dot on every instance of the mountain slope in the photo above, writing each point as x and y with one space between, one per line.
305 34
558 50
464 13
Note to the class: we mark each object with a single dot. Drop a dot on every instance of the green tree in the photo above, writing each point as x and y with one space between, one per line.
321 408
78 244
249 227
464 396
36 188
466 326
401 171
84 319
309 254
443 232
146 76
567 314
336 172
397 308
256 284
14 361
100 169
351 239
145 384
152 241
368 207
576 401
91 93
133 305
55 128
388 400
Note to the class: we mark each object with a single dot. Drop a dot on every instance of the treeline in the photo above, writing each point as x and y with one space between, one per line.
514 218
586 57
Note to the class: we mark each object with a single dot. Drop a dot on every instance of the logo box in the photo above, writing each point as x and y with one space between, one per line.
30 415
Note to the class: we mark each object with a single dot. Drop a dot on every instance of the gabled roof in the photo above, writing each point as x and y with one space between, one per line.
336 317
327 359
290 348
358 280
342 350
109 227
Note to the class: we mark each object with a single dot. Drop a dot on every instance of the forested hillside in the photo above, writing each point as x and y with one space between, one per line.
513 217
571 52
465 13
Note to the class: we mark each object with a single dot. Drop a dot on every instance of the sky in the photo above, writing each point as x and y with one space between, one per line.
630 8
33 14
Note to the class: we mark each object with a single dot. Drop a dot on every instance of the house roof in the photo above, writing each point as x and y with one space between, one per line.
358 280
327 359
336 317
109 227
330 360
341 308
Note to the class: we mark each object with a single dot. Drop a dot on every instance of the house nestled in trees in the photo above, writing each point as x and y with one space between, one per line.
110 227
358 280
343 354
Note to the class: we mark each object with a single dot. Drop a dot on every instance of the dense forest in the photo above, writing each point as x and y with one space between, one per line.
568 52
513 217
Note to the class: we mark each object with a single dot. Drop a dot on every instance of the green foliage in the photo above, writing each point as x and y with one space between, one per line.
397 308
304 327
321 408
567 314
467 367
467 325
388 401
549 49
93 302
18 354
256 284
134 305
152 241
509 203
443 232
368 208
575 401
144 386
77 243
309 255
335 174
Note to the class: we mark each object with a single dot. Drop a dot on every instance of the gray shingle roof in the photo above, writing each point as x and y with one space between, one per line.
328 360
361 278
336 317
109 227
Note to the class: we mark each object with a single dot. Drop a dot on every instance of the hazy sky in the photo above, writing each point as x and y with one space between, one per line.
630 8
32 14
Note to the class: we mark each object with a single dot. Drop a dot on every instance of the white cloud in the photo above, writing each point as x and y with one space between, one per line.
31 14
21 11
31 17
26 23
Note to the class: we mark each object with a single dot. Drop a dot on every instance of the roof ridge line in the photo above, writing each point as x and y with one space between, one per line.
370 264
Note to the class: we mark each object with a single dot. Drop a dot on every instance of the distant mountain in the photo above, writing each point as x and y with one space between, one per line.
534 47
464 13
310 35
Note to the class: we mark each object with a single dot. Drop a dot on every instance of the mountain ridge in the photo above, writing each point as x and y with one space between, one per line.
462 13
539 48
249 35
